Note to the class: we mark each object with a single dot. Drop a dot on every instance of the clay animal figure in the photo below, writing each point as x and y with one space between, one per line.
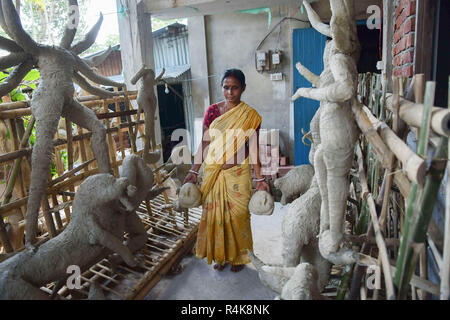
147 103
59 67
294 183
292 283
96 228
104 209
338 131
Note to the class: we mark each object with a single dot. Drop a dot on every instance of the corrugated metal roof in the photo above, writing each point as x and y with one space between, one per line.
174 71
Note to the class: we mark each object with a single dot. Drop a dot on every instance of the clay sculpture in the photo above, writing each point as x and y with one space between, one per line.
96 229
292 283
148 104
294 183
190 196
261 203
338 131
103 210
59 67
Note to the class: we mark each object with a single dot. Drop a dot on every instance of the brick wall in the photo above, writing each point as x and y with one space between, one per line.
404 35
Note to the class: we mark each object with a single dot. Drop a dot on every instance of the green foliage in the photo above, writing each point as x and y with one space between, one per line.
45 20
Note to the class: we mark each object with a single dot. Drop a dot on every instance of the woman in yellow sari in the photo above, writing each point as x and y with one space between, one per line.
229 127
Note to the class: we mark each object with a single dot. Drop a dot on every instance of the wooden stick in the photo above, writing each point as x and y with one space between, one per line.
406 258
378 235
381 150
414 166
445 270
411 113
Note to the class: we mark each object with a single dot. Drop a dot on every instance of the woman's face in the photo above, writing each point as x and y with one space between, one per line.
232 90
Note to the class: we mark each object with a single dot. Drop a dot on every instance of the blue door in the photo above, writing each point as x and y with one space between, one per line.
308 47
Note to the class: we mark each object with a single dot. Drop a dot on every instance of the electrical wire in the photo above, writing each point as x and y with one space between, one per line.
273 29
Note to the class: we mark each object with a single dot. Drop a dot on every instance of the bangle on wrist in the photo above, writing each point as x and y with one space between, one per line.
194 172
259 180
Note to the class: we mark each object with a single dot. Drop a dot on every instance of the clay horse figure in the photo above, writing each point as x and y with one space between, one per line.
59 66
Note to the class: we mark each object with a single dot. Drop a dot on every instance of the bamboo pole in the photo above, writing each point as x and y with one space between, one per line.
378 235
414 166
411 113
381 150
404 259
445 271
58 142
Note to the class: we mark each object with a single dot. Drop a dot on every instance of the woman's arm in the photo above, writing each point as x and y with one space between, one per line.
198 158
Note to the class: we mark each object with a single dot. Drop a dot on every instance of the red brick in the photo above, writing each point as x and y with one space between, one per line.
399 21
398 35
398 72
410 8
408 71
398 11
398 60
408 56
409 25
409 40
400 46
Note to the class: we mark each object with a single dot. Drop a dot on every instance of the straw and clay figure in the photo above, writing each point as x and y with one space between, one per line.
60 66
338 131
294 183
104 209
147 103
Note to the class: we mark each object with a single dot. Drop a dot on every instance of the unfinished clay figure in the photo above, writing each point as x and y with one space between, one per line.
261 203
338 132
292 283
59 68
96 228
147 103
294 183
104 209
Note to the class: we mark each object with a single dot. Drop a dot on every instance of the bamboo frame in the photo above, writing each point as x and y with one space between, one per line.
167 243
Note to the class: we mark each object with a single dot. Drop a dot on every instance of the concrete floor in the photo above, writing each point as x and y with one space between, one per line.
199 281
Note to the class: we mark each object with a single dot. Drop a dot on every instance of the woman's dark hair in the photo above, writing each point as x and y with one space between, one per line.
235 73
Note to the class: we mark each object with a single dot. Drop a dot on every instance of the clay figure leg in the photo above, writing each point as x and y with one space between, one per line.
321 176
47 111
136 231
87 119
338 139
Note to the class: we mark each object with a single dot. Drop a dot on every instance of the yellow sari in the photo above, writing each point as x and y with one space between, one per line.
224 233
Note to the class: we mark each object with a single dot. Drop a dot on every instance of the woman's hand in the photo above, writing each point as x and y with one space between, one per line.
262 186
191 177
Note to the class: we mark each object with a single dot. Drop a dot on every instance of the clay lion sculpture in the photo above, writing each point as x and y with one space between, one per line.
95 230
294 183
104 209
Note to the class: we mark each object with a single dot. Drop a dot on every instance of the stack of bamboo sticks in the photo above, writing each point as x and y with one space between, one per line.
394 190
169 236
